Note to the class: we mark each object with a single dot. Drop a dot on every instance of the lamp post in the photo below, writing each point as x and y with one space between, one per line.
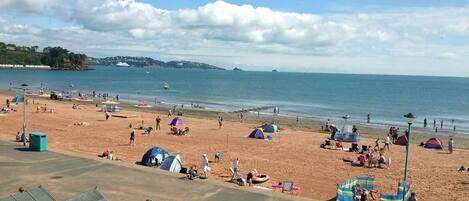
409 119
24 87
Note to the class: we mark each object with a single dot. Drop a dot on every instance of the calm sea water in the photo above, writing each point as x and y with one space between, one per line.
323 96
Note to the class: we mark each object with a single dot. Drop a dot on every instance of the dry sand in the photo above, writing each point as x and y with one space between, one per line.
293 155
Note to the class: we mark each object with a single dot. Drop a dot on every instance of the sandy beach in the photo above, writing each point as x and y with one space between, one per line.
293 154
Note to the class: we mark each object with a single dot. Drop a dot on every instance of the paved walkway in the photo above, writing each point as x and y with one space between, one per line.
64 176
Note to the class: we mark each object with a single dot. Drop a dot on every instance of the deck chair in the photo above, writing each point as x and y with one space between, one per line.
287 187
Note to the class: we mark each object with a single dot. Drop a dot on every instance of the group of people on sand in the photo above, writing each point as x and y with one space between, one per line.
371 157
362 194
109 155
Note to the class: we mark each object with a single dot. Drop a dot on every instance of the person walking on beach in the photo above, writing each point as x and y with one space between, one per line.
24 139
454 128
376 143
205 167
132 137
241 116
441 124
387 141
158 123
169 113
436 129
220 121
450 145
235 168
368 118
107 115
425 122
434 123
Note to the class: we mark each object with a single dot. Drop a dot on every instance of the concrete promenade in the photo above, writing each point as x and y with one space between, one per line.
65 175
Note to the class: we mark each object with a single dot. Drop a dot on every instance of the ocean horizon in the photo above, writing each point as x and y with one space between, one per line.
306 95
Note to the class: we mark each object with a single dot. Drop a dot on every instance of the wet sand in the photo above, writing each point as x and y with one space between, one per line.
292 155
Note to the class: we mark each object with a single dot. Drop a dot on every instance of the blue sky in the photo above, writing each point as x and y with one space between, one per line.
380 37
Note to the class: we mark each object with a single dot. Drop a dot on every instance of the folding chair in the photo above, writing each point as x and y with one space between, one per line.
287 187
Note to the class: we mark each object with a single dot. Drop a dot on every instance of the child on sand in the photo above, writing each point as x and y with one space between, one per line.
132 137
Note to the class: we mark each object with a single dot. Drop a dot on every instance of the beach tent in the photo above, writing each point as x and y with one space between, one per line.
401 140
177 122
257 134
154 156
18 99
434 143
347 135
172 164
271 128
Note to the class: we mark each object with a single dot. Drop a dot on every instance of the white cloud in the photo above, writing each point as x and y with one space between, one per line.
257 37
38 6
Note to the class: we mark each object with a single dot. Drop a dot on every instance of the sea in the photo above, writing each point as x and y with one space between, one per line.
305 95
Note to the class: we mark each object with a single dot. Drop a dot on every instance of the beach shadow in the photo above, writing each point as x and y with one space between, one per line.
465 183
22 149
333 199
56 177
443 153
101 120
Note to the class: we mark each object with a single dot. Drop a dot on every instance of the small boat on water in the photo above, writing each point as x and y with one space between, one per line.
122 64
143 105
165 86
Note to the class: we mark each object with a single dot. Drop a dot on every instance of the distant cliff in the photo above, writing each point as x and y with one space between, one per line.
57 58
149 62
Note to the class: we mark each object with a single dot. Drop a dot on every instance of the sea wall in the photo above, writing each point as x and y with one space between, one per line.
25 67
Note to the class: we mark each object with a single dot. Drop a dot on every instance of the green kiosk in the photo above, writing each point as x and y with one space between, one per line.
38 141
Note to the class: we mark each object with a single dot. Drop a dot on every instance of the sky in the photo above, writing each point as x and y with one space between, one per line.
345 36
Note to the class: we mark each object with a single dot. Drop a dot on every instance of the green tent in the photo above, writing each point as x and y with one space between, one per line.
271 128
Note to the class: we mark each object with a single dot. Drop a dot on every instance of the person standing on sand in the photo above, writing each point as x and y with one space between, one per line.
441 124
425 122
387 141
107 115
205 167
450 145
413 197
132 137
241 116
434 123
169 113
454 128
368 118
158 123
220 121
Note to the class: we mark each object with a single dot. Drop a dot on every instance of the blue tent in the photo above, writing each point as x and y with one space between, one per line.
271 128
347 135
172 164
18 99
154 156
257 134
